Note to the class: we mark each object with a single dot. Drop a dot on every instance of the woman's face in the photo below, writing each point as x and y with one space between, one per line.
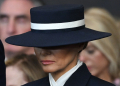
14 76
94 59
55 59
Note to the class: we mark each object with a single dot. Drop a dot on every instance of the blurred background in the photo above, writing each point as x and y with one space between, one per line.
105 16
111 5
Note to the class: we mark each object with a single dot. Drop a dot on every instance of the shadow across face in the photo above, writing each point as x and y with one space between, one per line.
60 58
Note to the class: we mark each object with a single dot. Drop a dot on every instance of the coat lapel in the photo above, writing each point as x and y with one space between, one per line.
79 77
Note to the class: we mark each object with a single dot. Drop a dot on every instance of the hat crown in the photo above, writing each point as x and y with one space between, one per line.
57 13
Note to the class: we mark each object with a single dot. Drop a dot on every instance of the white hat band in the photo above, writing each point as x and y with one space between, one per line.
52 26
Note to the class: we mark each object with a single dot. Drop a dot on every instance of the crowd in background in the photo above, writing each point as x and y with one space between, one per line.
22 66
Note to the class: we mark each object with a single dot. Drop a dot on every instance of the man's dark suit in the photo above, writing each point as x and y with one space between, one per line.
2 66
81 77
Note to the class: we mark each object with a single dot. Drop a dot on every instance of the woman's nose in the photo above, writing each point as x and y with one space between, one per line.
45 52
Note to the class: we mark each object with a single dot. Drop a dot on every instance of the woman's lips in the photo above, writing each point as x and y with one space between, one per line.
47 62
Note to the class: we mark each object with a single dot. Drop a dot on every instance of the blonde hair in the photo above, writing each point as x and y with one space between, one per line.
101 20
118 24
29 65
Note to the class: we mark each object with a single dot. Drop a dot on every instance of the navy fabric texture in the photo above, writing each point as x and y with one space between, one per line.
57 37
57 13
81 77
34 39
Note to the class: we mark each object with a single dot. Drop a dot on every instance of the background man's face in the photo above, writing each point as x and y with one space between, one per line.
14 19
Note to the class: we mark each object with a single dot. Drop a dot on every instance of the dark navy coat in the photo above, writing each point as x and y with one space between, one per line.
81 77
2 66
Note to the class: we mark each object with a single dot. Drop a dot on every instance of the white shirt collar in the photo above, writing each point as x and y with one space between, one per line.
61 81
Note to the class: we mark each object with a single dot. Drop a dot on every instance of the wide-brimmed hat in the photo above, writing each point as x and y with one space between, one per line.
56 26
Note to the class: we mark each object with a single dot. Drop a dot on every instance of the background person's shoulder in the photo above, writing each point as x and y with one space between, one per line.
94 81
39 82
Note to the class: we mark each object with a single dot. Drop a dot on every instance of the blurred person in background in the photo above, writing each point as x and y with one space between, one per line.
117 81
14 20
102 56
22 69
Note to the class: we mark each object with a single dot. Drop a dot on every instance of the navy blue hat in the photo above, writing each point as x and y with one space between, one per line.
56 26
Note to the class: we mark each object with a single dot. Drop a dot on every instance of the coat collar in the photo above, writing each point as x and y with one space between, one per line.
78 78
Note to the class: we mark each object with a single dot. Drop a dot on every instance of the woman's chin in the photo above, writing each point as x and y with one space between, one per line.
49 70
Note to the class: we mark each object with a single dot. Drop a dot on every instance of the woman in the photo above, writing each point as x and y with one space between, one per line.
102 56
22 69
58 34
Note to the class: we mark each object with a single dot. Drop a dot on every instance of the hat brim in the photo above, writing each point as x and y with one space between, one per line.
33 39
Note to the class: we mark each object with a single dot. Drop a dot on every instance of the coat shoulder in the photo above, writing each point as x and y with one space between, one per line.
37 82
94 81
